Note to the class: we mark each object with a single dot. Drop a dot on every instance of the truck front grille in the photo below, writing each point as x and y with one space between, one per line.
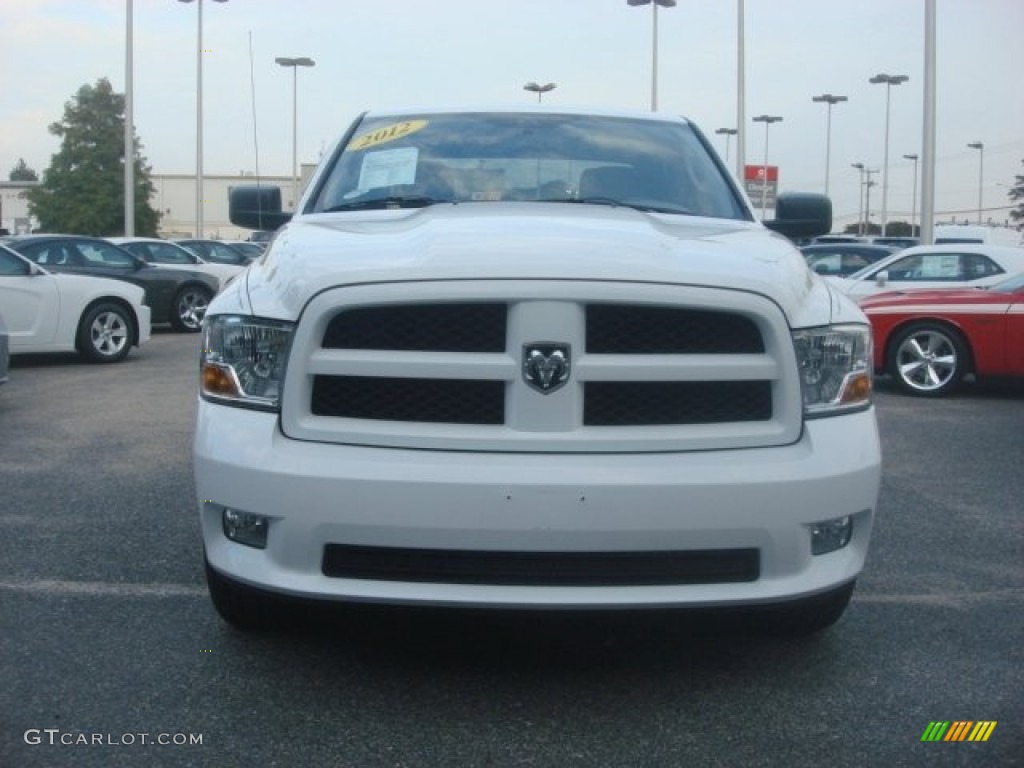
641 330
423 327
606 404
632 403
434 401
629 368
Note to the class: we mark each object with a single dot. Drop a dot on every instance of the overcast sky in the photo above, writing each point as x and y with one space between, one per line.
387 53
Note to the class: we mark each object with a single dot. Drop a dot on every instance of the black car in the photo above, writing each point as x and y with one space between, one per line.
175 296
250 250
842 259
216 252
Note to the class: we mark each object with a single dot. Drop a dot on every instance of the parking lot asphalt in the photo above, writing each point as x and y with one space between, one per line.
109 646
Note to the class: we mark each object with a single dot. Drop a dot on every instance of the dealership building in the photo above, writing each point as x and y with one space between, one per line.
174 197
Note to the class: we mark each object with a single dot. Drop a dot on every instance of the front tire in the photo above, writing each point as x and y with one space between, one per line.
106 333
189 308
927 359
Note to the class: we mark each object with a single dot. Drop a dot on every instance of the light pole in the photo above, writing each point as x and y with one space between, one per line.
913 205
199 115
728 133
540 90
654 45
860 198
867 199
889 81
981 172
864 199
928 132
129 129
295 63
829 99
741 94
767 120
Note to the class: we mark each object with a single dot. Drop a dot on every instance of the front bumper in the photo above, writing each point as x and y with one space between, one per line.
318 494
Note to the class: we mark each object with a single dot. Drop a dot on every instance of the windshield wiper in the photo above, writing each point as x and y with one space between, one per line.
392 201
611 201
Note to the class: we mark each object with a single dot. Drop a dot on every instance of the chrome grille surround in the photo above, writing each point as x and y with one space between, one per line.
759 370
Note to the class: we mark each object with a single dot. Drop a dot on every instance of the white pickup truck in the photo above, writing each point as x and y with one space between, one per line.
533 358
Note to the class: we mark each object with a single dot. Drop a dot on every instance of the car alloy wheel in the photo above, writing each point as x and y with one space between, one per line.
105 334
928 359
190 308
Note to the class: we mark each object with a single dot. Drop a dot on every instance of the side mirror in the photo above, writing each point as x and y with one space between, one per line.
256 207
799 214
881 278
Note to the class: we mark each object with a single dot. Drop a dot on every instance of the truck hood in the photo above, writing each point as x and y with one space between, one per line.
543 241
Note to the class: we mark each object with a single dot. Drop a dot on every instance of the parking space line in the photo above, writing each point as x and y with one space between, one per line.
102 588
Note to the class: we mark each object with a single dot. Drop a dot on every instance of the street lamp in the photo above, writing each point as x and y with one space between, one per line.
829 99
913 205
767 120
981 171
199 115
860 198
864 198
889 81
294 63
129 127
741 94
868 184
729 133
540 90
654 45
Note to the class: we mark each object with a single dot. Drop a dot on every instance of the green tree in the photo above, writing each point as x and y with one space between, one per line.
856 227
82 191
1016 195
21 172
899 229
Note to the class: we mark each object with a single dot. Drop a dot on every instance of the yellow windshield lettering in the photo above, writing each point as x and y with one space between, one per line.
386 134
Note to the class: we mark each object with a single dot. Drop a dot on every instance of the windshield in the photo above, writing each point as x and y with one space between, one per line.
1009 285
424 159
860 274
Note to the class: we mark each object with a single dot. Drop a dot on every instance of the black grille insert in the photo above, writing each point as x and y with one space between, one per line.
625 329
443 401
646 403
420 328
718 566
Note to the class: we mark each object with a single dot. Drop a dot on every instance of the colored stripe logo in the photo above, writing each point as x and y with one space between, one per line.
959 730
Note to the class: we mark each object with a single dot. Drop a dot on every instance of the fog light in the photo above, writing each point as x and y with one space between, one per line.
830 535
245 527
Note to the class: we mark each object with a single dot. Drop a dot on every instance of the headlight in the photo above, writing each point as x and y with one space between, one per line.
835 368
243 361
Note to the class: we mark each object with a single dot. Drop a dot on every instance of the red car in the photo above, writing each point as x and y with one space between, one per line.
929 340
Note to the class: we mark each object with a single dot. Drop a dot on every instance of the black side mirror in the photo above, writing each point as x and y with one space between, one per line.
256 207
800 214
